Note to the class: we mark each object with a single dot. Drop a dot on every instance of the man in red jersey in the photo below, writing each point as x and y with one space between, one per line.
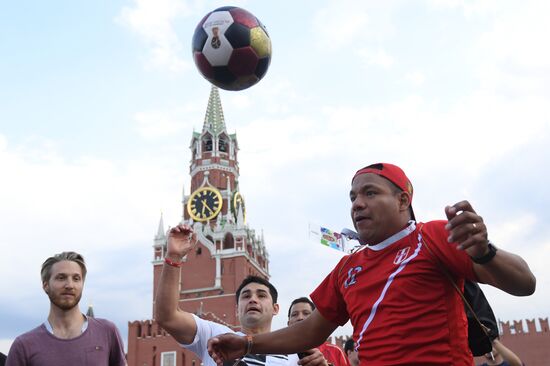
299 310
403 309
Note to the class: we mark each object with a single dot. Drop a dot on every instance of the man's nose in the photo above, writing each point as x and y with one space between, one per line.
253 299
69 283
358 203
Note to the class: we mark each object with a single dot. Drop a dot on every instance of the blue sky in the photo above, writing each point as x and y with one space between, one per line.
98 101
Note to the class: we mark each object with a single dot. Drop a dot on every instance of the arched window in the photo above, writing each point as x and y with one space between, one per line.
228 241
223 145
207 143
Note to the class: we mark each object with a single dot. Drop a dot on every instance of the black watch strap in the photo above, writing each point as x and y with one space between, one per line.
487 257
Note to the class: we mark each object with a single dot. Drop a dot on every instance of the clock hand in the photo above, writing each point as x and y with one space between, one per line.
205 205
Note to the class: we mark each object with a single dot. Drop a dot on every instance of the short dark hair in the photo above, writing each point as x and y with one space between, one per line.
261 281
299 300
349 345
46 271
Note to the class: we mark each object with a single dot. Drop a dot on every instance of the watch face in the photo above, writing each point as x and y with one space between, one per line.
238 203
204 204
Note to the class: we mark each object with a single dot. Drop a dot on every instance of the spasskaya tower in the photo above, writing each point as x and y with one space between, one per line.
227 252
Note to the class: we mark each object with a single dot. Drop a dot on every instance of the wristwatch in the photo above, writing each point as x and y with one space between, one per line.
487 257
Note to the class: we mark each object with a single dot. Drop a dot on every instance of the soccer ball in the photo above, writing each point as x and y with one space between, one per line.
231 48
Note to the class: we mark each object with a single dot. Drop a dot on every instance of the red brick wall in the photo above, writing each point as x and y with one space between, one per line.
531 345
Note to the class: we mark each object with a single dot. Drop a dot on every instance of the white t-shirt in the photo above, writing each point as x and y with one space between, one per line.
207 329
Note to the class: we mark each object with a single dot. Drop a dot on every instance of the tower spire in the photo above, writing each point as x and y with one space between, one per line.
160 231
213 119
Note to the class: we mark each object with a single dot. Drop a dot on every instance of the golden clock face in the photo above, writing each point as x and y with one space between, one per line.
204 204
238 203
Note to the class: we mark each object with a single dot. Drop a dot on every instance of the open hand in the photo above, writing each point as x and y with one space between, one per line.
181 239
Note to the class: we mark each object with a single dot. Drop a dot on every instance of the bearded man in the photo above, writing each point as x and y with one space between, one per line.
67 337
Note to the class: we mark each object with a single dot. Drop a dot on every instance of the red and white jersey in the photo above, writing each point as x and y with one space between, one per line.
404 311
334 354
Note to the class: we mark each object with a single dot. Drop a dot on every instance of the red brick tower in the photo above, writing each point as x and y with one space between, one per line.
227 252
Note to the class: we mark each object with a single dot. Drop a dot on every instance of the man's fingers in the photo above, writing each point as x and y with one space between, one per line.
450 212
458 208
465 230
463 206
314 358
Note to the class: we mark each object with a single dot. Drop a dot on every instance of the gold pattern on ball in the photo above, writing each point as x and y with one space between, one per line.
260 42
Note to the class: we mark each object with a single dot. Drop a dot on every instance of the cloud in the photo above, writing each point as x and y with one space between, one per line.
336 27
161 123
379 58
154 21
416 78
470 8
5 345
509 57
49 203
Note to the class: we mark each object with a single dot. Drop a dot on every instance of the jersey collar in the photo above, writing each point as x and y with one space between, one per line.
395 237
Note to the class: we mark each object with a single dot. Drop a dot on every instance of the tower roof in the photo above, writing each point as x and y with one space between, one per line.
90 312
213 120
160 230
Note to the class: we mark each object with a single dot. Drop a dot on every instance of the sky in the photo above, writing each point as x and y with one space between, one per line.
98 102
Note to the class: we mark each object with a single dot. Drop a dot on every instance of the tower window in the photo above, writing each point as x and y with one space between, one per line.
228 241
223 145
208 145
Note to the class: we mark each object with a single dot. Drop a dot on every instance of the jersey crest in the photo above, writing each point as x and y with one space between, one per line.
401 255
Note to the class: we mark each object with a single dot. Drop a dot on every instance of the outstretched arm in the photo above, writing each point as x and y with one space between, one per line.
304 335
507 271
507 354
180 324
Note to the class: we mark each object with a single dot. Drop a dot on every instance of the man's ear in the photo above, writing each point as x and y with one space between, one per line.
275 309
404 201
45 286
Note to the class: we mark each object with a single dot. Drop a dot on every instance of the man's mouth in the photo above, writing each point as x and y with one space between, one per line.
359 218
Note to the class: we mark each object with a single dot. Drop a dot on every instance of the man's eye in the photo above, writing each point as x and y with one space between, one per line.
370 193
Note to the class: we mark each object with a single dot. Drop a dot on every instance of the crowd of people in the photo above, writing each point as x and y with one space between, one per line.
403 310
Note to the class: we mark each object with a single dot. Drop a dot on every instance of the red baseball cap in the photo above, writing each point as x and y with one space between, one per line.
394 174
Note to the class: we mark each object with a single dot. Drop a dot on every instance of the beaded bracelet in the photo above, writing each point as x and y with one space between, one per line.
170 262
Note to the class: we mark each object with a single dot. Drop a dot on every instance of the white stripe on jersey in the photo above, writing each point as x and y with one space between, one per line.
388 283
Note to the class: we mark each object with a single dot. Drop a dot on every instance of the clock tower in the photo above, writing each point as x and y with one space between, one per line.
227 252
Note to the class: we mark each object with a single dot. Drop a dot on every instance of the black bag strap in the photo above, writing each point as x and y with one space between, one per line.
450 278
